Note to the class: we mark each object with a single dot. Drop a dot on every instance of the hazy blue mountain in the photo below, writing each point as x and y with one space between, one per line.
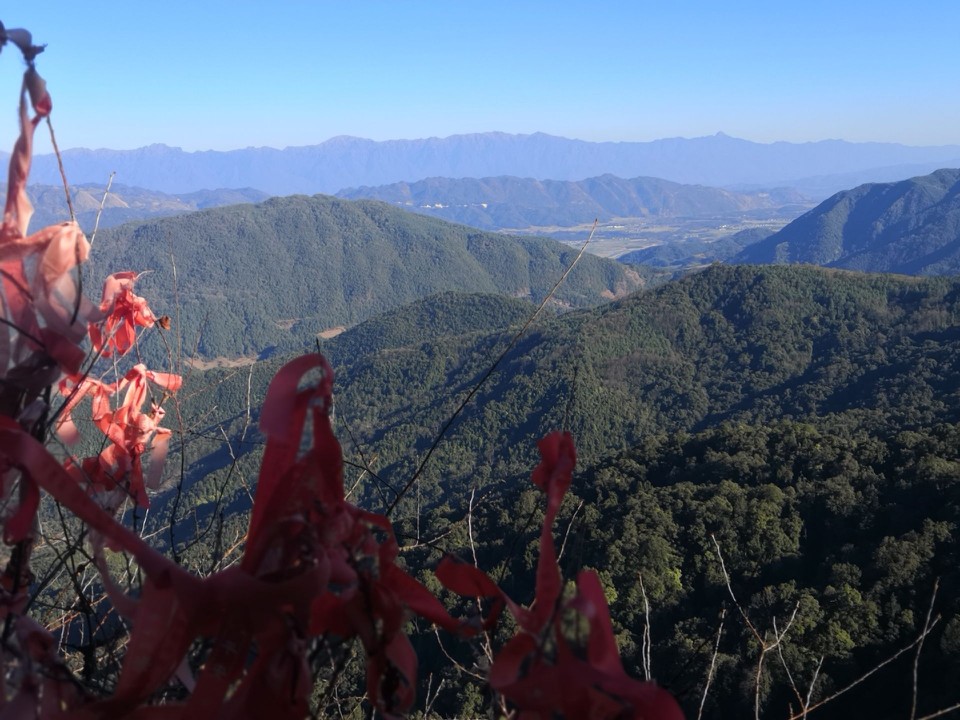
910 227
515 203
124 203
342 162
250 278
824 186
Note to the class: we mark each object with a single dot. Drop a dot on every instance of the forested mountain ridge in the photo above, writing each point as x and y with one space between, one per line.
727 343
513 202
806 418
252 278
910 227
438 316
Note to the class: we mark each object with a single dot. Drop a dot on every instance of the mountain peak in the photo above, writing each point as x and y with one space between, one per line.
907 227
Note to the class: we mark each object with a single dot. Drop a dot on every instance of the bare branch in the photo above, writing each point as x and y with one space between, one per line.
103 200
786 668
941 713
473 547
713 664
870 672
813 682
916 658
645 650
726 577
563 545
427 701
459 666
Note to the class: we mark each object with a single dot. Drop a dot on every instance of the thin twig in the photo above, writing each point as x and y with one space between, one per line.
176 305
473 547
869 673
427 702
813 682
713 664
73 219
941 713
916 658
786 668
103 200
459 666
363 473
563 545
646 646
487 643
63 173
726 577
765 647
248 414
366 464
431 543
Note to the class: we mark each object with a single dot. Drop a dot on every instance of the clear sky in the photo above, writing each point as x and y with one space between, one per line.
214 74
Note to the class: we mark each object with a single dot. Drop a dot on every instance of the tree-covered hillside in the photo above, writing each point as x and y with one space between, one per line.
839 535
425 321
805 418
512 202
246 279
727 343
910 227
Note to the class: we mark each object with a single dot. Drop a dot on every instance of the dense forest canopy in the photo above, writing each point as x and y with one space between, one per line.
804 420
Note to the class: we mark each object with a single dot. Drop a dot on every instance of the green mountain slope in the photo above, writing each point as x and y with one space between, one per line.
513 202
425 321
806 418
251 278
910 227
844 528
728 343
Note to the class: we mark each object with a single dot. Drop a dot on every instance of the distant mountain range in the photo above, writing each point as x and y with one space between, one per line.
343 162
246 279
910 227
515 203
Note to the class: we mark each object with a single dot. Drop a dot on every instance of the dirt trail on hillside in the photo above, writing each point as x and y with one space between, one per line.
331 332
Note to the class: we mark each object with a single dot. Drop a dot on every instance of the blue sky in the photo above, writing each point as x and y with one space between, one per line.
208 74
